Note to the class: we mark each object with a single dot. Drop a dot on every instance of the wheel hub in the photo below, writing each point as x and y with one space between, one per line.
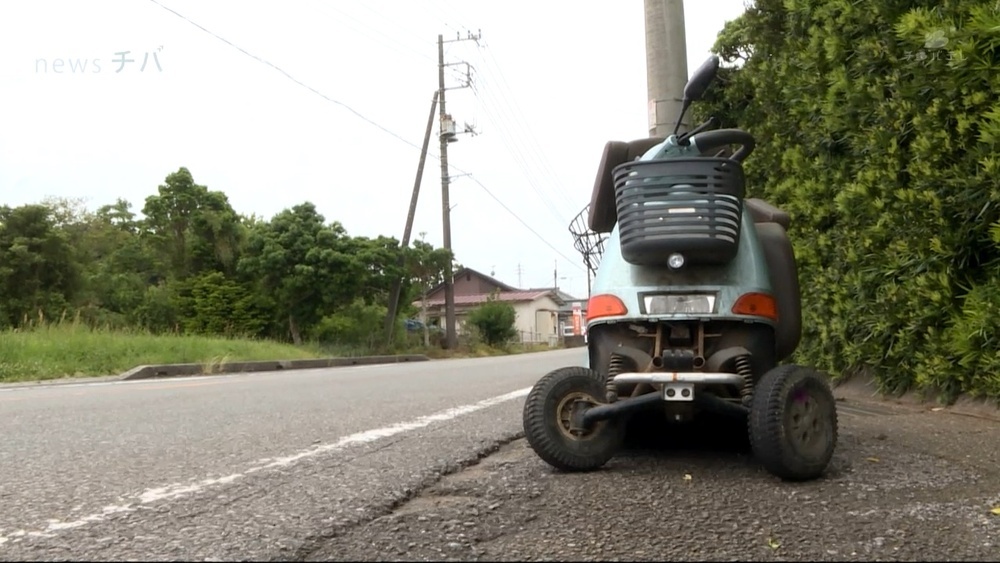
566 410
807 425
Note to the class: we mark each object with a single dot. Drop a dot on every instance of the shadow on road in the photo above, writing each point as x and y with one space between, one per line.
713 443
651 434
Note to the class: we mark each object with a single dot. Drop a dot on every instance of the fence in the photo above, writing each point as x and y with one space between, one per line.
538 338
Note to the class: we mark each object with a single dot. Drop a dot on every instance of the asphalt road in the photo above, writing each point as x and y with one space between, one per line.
347 464
257 466
906 484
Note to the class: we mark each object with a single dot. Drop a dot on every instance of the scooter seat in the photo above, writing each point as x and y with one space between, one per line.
764 212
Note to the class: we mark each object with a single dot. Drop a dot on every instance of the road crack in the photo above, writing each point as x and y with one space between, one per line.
315 542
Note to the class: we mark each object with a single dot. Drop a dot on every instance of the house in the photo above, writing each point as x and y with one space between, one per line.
540 312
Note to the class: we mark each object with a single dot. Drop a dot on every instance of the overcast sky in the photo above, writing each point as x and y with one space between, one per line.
554 81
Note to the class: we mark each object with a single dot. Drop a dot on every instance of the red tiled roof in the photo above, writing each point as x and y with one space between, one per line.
507 296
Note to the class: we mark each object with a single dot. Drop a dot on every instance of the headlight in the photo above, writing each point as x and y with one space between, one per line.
680 304
675 260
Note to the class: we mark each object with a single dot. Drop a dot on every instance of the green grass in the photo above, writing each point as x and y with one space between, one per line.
482 351
59 350
66 350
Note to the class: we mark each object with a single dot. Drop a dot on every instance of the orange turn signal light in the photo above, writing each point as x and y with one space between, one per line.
605 306
757 305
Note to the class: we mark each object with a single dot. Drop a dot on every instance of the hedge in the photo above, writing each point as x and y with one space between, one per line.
877 128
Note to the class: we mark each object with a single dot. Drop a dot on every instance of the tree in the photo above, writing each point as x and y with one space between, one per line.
425 266
220 305
196 229
381 263
359 323
191 264
495 321
38 274
307 266
116 264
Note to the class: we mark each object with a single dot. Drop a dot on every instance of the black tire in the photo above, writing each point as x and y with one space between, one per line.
547 435
786 398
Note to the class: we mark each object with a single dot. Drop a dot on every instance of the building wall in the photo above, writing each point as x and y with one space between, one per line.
537 320
470 284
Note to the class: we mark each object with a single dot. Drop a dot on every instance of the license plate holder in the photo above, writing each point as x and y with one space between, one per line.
678 392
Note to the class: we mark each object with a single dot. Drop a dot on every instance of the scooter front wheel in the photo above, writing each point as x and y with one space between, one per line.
793 423
548 421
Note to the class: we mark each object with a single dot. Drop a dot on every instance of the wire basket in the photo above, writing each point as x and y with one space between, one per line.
588 243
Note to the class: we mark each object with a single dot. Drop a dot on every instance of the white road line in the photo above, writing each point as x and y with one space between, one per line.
161 380
175 491
50 386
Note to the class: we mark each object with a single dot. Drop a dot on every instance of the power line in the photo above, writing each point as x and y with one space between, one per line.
282 71
489 101
386 39
507 136
516 216
490 64
516 154
399 30
364 118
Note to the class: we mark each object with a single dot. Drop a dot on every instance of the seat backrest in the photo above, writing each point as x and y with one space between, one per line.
603 212
764 212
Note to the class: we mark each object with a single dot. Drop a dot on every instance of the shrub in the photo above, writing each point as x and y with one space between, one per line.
495 322
877 128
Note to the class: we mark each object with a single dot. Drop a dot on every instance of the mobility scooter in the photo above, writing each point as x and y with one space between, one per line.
694 307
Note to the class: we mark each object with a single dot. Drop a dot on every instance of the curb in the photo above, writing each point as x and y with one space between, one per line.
183 370
863 388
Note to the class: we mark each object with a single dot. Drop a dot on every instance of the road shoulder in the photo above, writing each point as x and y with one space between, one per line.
904 484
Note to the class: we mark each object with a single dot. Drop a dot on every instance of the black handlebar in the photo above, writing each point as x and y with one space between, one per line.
722 137
712 123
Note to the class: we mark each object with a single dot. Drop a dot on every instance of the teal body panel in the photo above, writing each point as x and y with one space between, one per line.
670 149
746 273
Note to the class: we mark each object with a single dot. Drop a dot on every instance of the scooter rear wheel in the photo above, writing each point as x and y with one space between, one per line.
547 415
793 423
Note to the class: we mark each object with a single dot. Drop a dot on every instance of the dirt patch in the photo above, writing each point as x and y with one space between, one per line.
511 453
470 475
460 493
429 502
497 462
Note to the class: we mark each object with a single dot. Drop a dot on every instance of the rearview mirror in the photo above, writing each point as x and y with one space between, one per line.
701 78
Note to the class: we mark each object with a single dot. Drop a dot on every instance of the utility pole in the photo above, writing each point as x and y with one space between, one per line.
448 135
390 320
666 65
